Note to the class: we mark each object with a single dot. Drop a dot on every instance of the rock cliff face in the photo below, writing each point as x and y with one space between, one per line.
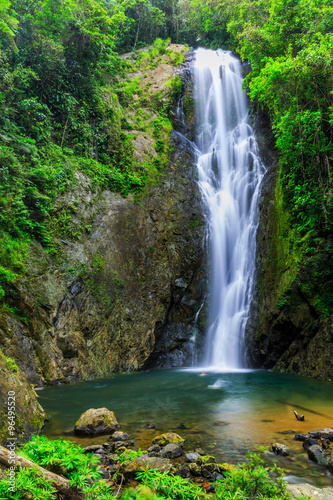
125 294
17 395
290 328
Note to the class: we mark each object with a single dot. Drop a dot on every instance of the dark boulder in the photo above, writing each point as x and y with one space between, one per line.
315 453
309 442
280 449
326 433
171 450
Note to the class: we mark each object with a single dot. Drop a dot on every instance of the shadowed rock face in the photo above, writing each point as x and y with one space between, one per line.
130 285
17 395
287 330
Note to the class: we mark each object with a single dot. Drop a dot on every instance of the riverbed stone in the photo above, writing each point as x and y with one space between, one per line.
168 437
204 459
200 451
92 448
301 437
192 457
96 421
208 469
195 469
183 472
280 449
153 449
225 467
326 433
129 469
330 463
119 436
325 443
309 442
310 491
315 453
171 450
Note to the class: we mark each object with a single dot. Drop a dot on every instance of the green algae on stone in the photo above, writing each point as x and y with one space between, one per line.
168 437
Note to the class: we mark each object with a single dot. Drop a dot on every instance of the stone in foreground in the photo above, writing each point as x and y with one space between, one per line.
96 421
129 469
171 450
315 453
280 449
168 437
304 489
192 457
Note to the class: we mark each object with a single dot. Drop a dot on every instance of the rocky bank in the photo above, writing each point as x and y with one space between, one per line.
291 326
125 293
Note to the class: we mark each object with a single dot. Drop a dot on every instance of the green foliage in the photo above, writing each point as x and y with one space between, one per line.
252 480
28 484
129 455
170 486
63 103
8 22
11 365
69 459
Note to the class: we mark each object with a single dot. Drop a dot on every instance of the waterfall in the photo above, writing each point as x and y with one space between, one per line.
230 173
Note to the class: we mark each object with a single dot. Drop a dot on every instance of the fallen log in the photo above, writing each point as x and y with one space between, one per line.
60 483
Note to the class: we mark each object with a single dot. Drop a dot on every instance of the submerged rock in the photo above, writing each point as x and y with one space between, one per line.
96 421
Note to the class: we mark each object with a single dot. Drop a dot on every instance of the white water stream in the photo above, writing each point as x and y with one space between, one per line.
230 173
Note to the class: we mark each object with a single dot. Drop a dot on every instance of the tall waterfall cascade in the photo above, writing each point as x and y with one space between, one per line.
230 174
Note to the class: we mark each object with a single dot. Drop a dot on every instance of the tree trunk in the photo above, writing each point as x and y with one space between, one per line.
58 482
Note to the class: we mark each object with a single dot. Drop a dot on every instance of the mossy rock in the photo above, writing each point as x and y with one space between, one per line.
205 459
227 467
130 469
168 437
98 421
195 470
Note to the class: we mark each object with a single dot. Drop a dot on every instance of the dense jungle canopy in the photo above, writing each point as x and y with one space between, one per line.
62 101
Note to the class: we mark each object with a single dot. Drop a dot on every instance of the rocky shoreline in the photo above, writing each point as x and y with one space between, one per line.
168 453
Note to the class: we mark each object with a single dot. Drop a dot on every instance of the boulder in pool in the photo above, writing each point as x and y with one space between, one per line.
96 421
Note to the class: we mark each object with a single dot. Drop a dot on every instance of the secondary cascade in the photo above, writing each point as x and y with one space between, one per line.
230 173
